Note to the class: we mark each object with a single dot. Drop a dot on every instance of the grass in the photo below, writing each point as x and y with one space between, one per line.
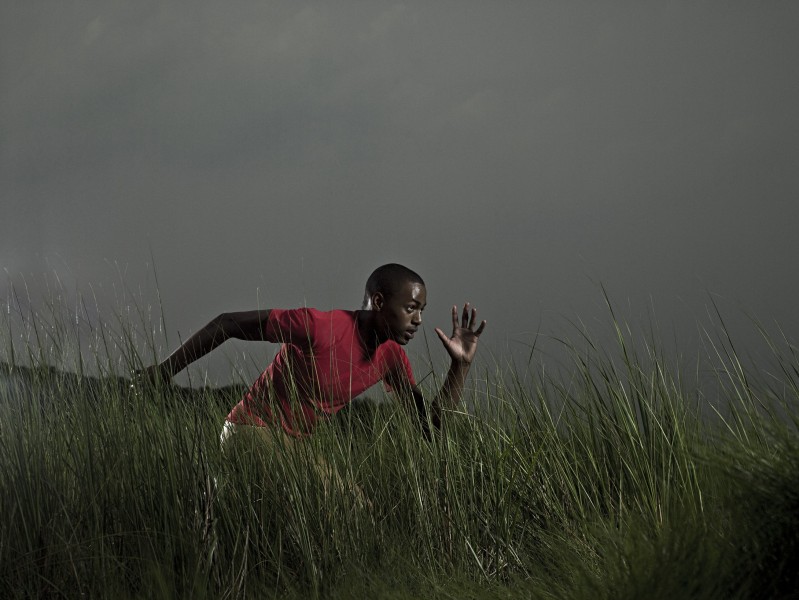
603 479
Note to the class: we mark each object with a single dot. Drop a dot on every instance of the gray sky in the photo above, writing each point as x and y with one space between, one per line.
516 154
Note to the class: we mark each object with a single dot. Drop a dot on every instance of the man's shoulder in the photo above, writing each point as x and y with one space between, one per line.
335 320
309 325
391 350
334 315
315 313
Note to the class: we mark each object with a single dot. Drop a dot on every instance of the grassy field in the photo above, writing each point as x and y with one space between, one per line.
607 478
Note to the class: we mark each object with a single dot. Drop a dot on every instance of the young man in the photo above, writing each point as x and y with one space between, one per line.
328 358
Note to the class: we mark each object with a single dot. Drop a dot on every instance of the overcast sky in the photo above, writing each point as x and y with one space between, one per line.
516 154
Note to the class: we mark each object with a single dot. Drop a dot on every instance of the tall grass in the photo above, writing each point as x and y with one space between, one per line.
602 479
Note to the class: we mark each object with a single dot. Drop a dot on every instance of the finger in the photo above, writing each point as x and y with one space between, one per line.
480 329
442 335
472 318
465 318
454 317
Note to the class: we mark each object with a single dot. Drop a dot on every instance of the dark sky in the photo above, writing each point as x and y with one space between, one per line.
517 154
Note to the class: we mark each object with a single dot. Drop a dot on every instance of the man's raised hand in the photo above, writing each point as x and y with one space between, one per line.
462 346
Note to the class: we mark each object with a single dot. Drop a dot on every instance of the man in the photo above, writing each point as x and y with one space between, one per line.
328 358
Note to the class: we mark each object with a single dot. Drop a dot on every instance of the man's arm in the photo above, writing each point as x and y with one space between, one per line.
461 347
415 402
245 325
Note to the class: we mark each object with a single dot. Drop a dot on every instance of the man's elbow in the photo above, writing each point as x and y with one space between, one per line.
241 325
224 327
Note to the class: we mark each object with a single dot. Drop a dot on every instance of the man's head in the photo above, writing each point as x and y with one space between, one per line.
397 296
388 280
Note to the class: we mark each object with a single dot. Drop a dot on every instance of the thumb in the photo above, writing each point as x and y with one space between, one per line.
442 335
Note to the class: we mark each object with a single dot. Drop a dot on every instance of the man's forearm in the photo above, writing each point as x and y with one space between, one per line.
197 346
449 396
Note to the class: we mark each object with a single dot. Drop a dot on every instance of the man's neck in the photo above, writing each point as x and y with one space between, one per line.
367 330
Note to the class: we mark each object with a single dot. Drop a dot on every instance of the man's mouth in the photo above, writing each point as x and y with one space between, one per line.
409 333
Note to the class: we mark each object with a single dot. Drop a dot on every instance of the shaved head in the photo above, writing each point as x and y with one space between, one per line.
388 279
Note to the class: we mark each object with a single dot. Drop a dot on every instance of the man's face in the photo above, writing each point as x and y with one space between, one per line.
402 312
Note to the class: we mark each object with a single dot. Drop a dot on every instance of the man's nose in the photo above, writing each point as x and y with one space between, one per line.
417 318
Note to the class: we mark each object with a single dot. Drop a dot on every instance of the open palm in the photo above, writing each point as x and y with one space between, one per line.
462 346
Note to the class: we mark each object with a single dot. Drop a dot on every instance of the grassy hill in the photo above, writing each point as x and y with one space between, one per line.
604 481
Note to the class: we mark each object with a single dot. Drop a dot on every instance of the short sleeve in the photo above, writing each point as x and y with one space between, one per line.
399 373
294 326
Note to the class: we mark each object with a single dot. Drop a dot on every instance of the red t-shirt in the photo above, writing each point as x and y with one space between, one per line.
321 366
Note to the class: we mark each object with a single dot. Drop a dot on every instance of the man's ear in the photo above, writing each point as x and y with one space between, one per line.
378 301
